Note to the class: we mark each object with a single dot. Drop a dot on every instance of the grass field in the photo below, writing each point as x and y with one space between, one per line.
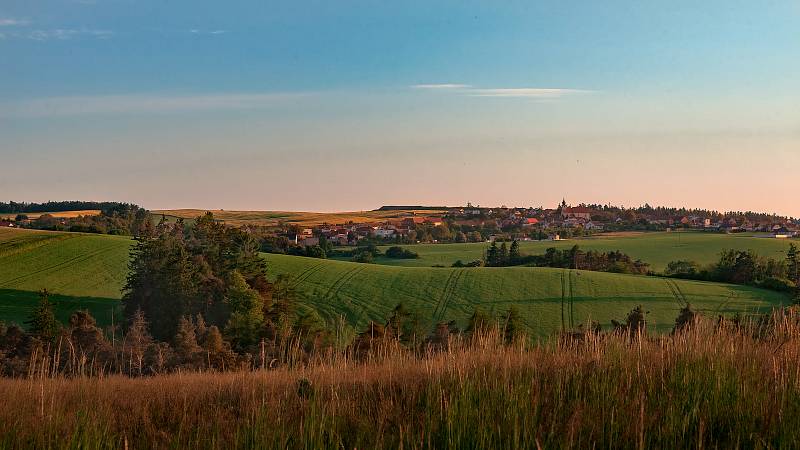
58 214
658 249
82 270
88 271
544 296
271 218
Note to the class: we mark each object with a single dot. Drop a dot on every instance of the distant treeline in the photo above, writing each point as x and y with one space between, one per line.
747 268
663 212
409 208
573 258
67 205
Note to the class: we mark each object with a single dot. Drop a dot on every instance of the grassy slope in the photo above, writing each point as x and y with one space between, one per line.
88 271
368 292
82 270
268 218
658 249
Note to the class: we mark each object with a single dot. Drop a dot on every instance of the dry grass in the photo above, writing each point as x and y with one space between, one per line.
59 214
709 387
272 218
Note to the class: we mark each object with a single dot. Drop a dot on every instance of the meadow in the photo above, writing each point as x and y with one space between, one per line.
88 271
81 270
272 218
545 298
708 387
56 214
657 249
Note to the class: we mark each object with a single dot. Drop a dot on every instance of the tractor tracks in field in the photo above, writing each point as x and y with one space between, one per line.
305 273
343 280
80 258
448 292
677 294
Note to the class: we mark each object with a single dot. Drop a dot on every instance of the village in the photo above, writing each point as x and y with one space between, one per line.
479 224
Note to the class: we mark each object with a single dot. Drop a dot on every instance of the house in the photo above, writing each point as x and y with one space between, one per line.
384 232
530 221
593 226
783 233
6 224
309 241
578 212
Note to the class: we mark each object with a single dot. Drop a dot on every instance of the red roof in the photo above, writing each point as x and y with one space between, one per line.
578 210
531 221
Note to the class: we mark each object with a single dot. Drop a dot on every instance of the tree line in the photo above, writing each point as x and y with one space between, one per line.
745 267
572 258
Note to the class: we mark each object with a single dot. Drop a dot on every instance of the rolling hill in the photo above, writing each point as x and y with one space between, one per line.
363 292
88 271
657 249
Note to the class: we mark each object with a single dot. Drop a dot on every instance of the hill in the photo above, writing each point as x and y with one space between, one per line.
88 271
657 249
82 270
363 292
272 218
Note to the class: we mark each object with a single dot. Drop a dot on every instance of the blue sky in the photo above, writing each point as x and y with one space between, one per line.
349 105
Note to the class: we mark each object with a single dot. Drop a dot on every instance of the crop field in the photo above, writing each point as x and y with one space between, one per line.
58 214
271 218
658 249
546 298
81 270
88 271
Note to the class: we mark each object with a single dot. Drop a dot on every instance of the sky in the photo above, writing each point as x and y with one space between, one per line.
340 106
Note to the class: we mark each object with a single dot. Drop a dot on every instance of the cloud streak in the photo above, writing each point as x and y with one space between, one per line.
522 92
143 104
58 34
8 22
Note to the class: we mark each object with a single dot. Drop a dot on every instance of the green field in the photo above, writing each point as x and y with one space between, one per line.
82 270
657 249
88 271
363 292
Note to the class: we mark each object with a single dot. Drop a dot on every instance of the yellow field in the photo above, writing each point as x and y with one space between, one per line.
59 214
270 218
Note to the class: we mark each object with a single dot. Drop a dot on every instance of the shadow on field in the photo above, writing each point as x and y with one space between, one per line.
16 306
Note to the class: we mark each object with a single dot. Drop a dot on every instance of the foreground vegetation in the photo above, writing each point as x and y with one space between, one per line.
711 384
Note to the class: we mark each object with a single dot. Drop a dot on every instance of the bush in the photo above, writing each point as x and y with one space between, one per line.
400 253
778 284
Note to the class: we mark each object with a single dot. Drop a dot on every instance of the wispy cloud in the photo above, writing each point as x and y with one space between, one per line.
525 92
143 104
8 22
58 34
520 92
212 32
441 86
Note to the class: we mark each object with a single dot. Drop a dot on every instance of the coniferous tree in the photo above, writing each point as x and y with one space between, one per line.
512 325
247 312
479 322
793 263
43 323
514 254
502 258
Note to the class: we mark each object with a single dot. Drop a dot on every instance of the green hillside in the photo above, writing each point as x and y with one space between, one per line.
363 292
88 271
82 270
658 249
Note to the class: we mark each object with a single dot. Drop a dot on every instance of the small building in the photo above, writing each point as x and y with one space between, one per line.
578 212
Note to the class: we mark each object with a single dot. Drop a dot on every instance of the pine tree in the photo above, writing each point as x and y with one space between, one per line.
43 323
513 254
512 325
793 263
479 322
503 255
247 313
492 255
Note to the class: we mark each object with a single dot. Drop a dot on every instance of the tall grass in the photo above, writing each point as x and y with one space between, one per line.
718 386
